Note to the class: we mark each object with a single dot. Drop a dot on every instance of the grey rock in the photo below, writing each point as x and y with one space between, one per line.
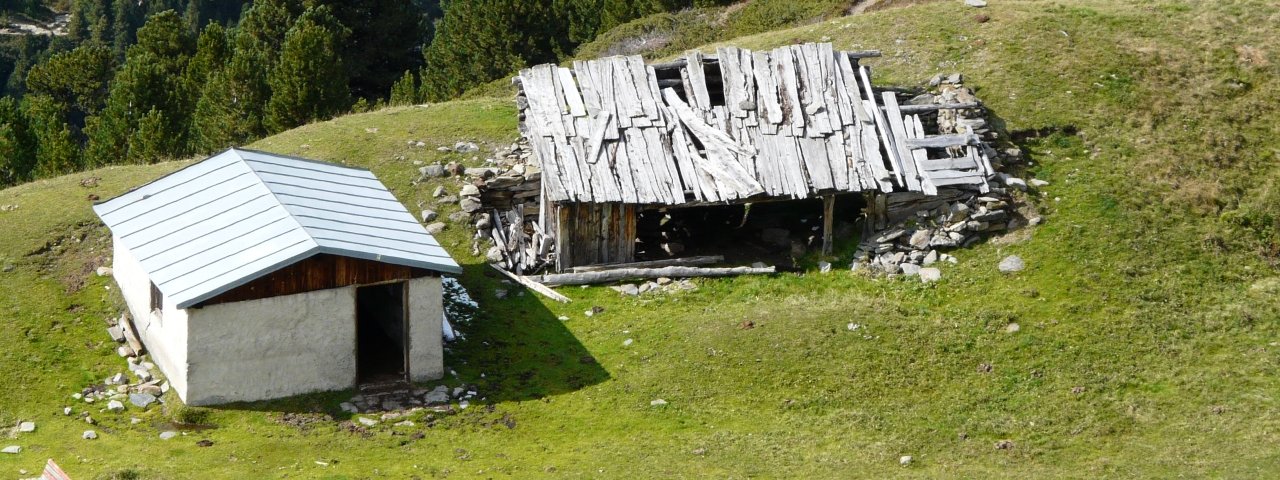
434 170
437 395
955 78
500 293
494 255
1013 182
115 406
7 268
11 449
151 390
994 216
470 204
1012 328
905 460
930 275
448 199
348 407
483 221
66 411
429 215
1036 182
824 267
104 271
469 190
976 3
629 289
444 149
117 379
125 351
168 434
465 147
438 192
920 239
436 228
930 258
910 269
142 400
459 217
958 212
890 235
366 421
89 435
26 427
1012 263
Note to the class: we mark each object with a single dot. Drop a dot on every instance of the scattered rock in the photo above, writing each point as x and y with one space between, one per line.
985 368
205 443
824 267
26 427
905 460
469 190
366 421
700 451
910 269
168 434
1077 390
66 411
429 215
115 406
494 255
500 293
1012 328
982 18
657 403
470 204
103 271
142 400
976 3
1004 445
595 310
562 318
459 217
11 449
436 396
447 199
436 228
930 275
465 147
628 289
89 435
1036 182
1012 263
434 170
438 192
627 342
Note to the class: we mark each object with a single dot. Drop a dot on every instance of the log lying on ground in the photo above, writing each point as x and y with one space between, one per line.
670 262
533 285
603 276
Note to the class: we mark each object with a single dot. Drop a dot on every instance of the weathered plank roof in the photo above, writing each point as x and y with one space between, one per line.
241 214
796 121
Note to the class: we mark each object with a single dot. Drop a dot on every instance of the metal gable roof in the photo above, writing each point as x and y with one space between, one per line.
241 214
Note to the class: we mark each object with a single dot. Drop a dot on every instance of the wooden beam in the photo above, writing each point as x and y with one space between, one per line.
670 262
853 55
532 285
828 211
604 276
910 109
942 141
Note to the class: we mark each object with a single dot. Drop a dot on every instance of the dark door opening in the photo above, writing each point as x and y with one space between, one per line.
773 232
380 333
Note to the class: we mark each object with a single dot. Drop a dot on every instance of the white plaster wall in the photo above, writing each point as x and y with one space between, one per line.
273 347
426 344
164 335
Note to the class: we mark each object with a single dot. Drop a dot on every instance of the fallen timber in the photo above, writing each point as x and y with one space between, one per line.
672 262
616 275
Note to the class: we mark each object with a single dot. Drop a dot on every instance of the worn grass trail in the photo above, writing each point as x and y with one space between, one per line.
1148 341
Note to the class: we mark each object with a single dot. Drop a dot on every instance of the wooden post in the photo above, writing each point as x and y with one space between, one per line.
828 214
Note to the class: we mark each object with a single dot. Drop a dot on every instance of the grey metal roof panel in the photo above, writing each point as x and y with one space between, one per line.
241 214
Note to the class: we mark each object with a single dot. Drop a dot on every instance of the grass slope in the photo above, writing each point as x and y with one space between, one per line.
1149 316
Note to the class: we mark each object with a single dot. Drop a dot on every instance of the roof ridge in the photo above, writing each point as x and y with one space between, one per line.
261 181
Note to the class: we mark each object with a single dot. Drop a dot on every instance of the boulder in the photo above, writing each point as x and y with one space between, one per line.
89 435
26 427
920 239
976 3
1036 182
169 434
493 255
429 215
11 449
459 217
465 147
1012 263
469 190
434 170
142 400
366 421
930 275
470 204
104 271
437 395
438 192
910 269
115 406
436 228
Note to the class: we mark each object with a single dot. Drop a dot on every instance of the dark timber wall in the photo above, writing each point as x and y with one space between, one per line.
595 233
320 272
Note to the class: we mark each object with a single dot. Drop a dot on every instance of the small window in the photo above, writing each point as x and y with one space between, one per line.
157 299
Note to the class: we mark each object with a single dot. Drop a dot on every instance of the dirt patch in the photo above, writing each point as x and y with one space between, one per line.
303 421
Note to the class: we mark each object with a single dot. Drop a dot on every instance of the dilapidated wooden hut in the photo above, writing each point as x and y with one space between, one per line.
614 137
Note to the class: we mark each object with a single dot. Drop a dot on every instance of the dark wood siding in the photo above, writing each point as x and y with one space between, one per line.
594 233
320 272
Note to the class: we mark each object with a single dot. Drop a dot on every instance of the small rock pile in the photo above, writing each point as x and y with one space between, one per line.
661 285
410 400
920 242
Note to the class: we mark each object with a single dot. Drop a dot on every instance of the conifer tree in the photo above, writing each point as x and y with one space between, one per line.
17 155
405 91
77 80
309 82
56 151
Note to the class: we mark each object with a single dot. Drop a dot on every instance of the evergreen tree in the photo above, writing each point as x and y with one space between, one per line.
151 142
17 149
77 80
56 151
385 40
125 19
405 91
309 82
479 41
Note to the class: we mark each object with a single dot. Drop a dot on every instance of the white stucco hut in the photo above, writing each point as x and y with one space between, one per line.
253 276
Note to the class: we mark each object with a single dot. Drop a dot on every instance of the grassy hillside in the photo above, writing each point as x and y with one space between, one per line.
1149 315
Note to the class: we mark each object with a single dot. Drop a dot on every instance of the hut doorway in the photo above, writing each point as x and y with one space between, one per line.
381 330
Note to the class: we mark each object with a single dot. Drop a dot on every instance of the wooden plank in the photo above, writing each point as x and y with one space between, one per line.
669 262
828 217
640 81
571 95
695 178
746 64
942 141
130 333
898 132
699 99
722 151
631 147
660 149
655 95
815 105
910 109
838 161
882 125
951 174
543 114
600 123
544 152
970 180
915 130
956 163
845 89
622 171
786 77
604 276
767 89
814 153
